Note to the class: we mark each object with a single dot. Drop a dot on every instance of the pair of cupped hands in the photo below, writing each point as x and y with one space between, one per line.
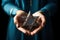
18 21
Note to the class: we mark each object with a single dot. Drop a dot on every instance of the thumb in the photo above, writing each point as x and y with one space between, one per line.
39 21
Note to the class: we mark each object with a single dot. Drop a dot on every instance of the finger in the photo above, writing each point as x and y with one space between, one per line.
17 25
32 33
22 30
43 21
39 21
36 30
36 14
15 20
18 21
28 32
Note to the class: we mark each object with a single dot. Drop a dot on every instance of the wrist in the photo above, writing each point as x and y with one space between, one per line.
41 12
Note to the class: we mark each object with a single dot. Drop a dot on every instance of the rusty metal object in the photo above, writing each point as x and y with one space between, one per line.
30 22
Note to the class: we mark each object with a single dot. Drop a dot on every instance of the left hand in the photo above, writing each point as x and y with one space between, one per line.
41 20
19 19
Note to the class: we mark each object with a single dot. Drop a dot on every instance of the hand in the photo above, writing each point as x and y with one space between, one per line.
19 19
41 21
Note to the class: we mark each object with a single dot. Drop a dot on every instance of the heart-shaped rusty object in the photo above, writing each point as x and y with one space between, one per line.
30 23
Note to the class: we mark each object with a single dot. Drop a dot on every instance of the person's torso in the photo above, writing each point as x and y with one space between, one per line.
30 5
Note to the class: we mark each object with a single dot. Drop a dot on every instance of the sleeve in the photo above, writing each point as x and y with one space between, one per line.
9 7
49 9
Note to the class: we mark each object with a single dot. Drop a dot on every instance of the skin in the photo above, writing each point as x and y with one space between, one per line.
18 21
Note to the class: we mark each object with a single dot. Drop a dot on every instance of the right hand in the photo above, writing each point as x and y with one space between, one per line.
19 19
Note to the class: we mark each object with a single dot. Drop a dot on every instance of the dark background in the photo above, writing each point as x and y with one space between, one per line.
4 23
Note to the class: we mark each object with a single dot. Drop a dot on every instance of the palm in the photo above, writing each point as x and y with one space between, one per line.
40 21
20 18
